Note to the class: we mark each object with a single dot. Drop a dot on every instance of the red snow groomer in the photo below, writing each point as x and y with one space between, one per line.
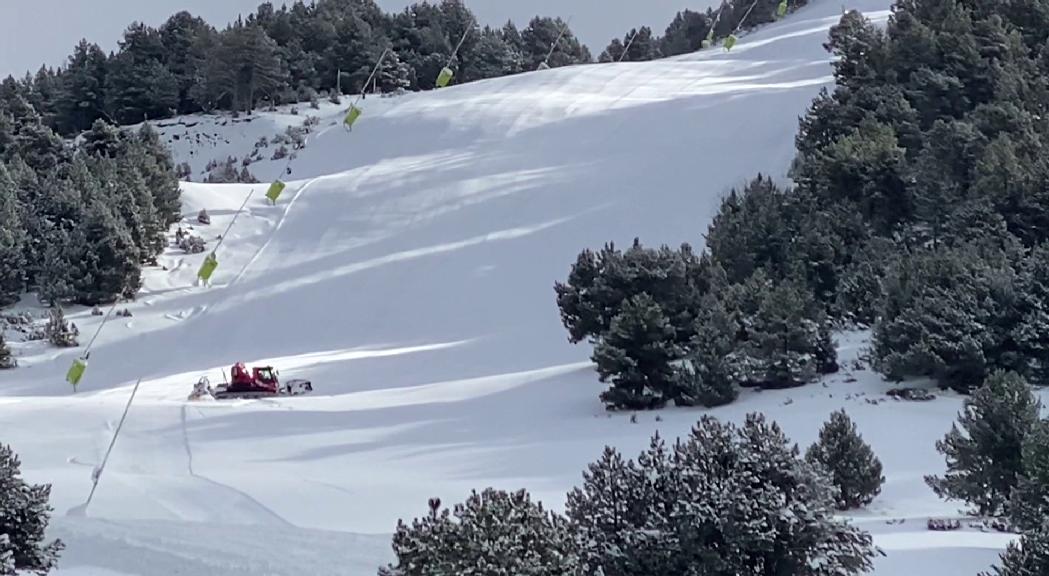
261 382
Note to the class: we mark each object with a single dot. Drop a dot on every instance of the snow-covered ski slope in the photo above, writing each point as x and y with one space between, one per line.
408 272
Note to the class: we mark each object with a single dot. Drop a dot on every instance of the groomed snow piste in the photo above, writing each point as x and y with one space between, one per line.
408 272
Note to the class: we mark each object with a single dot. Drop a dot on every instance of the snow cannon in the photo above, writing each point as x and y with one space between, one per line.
709 40
543 66
781 10
730 42
444 77
351 116
208 267
76 371
274 192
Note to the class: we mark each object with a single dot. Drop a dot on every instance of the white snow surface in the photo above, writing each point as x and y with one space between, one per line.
408 272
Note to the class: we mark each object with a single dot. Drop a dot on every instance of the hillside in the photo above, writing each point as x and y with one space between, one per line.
408 272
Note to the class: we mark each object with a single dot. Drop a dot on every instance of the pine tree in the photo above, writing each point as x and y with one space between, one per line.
127 193
60 332
44 94
254 64
153 161
492 56
860 289
182 36
58 265
7 359
7 557
638 356
494 532
138 84
855 470
12 241
939 174
82 98
612 52
512 36
946 315
857 44
110 266
1029 500
24 515
1031 332
539 36
783 338
984 462
580 303
685 33
394 74
599 284
242 68
39 146
618 502
707 378
733 500
104 139
642 47
1028 557
754 228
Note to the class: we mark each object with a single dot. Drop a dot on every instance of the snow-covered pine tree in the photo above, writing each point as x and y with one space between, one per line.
7 359
854 469
56 270
104 140
984 456
783 335
1032 332
734 500
946 313
643 46
153 161
617 514
1028 557
7 556
12 241
791 338
123 183
1029 500
81 95
394 74
494 533
612 52
761 485
60 332
30 194
860 288
707 378
110 266
24 515
685 33
138 83
638 356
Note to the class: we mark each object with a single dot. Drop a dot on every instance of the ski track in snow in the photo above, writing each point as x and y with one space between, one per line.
280 222
410 277
189 468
